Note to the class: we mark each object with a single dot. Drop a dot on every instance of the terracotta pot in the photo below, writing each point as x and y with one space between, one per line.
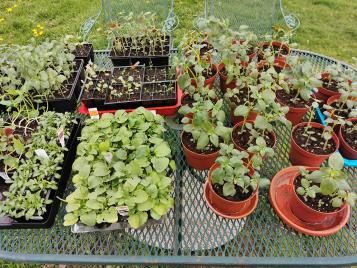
305 213
345 149
295 114
299 156
237 119
324 94
239 125
198 161
275 44
223 205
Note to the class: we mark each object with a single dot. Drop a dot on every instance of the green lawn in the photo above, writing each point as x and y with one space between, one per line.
327 26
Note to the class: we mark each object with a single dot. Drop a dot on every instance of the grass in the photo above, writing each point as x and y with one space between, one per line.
327 26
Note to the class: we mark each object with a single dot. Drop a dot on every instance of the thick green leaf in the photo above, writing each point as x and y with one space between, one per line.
100 169
70 219
228 189
89 219
145 206
110 215
160 164
202 141
335 161
140 196
94 204
162 150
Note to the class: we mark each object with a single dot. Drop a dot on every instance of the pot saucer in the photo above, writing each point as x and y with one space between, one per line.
280 193
234 216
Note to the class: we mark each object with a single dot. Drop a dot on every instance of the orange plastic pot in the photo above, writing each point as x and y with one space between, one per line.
223 205
295 115
300 157
345 149
198 161
239 125
305 213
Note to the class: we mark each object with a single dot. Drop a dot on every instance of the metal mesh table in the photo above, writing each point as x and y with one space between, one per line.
191 233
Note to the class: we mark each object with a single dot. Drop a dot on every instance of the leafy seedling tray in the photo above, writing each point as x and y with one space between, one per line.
321 118
123 100
48 220
73 85
159 94
158 74
85 52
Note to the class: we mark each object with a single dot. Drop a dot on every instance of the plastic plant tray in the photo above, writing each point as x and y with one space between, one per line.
321 118
192 234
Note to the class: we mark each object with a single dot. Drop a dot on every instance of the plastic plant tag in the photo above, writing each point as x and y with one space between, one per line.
41 153
4 176
108 157
123 210
60 135
93 113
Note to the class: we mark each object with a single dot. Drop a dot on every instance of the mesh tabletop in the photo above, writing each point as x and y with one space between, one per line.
192 233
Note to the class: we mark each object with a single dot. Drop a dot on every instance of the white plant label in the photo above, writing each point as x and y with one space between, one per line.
93 113
108 157
60 135
4 176
123 210
41 153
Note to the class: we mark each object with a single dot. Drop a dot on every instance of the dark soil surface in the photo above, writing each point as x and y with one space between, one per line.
83 50
314 202
330 86
87 94
239 196
290 100
137 73
315 143
350 135
191 145
244 139
158 91
160 73
104 76
240 98
187 100
207 73
340 111
134 96
142 49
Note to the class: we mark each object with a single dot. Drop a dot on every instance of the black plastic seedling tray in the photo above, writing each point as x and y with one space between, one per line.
151 100
89 56
153 71
49 217
129 104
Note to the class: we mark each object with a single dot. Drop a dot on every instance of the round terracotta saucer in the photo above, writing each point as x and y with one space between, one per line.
242 214
280 193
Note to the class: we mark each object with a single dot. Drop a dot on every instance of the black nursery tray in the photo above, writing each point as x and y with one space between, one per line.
156 94
158 73
132 57
69 103
87 55
49 217
122 102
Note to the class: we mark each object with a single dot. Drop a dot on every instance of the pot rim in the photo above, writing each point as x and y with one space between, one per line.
343 139
308 207
215 166
316 125
194 153
252 122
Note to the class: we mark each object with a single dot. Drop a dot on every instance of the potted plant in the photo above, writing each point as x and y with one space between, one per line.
320 194
138 38
333 77
121 173
232 184
312 143
296 88
203 132
348 142
29 193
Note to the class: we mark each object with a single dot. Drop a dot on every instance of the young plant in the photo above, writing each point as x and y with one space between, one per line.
330 181
206 125
122 163
233 173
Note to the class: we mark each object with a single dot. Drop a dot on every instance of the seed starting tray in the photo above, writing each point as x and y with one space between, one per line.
191 233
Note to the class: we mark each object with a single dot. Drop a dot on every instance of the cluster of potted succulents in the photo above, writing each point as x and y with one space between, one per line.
121 172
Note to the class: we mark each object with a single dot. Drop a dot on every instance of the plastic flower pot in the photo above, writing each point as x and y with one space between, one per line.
295 114
305 213
345 149
324 94
299 156
223 205
239 125
196 160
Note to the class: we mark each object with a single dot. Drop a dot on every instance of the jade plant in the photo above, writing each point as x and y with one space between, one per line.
234 173
328 184
39 169
123 162
207 123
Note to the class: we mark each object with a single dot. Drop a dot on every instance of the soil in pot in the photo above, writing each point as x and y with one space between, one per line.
349 134
315 143
206 73
83 50
190 144
244 138
291 100
332 85
239 196
314 202
339 110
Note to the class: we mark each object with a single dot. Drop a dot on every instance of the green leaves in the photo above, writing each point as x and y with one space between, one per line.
162 150
229 189
70 219
336 161
88 219
241 110
202 141
138 219
100 169
160 164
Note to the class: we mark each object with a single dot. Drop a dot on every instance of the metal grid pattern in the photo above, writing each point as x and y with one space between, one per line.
192 234
259 15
